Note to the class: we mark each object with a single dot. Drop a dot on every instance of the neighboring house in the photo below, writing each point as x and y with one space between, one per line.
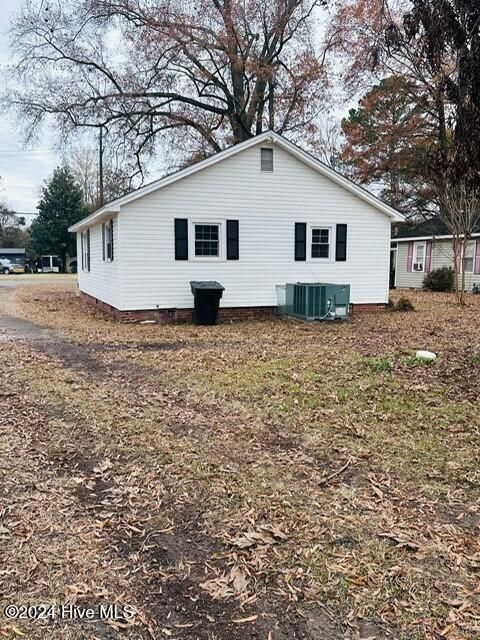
417 249
17 256
259 214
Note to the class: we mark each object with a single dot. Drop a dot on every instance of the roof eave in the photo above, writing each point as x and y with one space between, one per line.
93 218
432 236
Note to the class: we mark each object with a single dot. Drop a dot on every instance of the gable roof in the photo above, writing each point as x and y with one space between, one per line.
426 229
267 137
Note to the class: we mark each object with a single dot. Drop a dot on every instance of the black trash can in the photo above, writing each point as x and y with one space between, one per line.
206 295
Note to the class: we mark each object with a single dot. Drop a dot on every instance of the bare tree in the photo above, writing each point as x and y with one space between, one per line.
215 71
12 233
84 160
460 211
327 144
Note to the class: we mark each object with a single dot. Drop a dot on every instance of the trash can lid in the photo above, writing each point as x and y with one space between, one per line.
206 285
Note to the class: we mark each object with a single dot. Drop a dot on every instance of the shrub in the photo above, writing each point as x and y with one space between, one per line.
404 304
439 279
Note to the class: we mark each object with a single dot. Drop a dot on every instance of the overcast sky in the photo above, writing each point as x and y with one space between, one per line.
22 169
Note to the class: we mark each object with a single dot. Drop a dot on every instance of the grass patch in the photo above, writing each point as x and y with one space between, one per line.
378 364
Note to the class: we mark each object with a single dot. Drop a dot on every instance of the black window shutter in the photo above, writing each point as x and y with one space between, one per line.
111 239
88 249
181 239
83 251
300 241
232 240
103 241
341 244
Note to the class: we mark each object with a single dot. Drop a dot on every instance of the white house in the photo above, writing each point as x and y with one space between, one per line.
259 214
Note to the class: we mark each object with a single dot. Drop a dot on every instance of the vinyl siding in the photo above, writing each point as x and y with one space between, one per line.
404 278
442 256
267 206
103 280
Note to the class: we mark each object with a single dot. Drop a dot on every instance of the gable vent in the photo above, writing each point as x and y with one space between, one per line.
266 159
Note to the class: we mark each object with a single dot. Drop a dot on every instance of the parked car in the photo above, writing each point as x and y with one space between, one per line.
11 267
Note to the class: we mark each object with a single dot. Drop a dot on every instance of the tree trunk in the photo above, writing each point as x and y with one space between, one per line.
100 168
259 123
240 133
271 105
464 253
442 133
455 269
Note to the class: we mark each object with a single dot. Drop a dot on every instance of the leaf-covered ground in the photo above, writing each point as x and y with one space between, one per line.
270 480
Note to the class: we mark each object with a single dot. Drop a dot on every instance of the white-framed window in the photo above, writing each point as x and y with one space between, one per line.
107 240
85 242
206 240
469 259
320 243
419 251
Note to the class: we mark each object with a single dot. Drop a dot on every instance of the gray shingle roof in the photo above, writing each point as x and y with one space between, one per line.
426 228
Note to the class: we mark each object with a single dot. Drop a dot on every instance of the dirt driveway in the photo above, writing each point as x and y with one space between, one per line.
267 480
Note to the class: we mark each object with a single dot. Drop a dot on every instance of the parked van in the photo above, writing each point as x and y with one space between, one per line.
49 264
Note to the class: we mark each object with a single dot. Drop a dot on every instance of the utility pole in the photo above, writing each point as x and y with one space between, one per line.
100 167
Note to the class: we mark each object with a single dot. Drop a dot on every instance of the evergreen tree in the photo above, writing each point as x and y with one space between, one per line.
387 143
61 206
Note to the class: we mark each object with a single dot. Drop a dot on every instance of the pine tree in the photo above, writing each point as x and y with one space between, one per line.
61 206
387 141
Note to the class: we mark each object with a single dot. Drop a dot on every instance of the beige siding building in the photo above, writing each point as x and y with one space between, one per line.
418 250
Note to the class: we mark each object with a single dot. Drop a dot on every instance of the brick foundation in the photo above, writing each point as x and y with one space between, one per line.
368 307
225 314
231 314
162 316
